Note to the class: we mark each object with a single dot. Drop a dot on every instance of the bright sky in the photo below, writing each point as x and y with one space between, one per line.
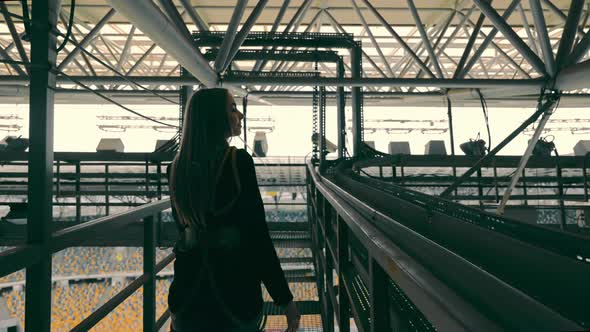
76 127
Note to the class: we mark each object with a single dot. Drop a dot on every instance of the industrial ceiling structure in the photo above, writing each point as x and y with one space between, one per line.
413 52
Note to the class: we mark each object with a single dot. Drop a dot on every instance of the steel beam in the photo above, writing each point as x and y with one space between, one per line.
357 120
244 32
15 37
174 16
528 30
341 112
425 39
524 160
87 39
543 36
509 34
40 161
569 33
399 39
125 52
490 37
149 19
469 47
561 15
12 63
194 15
274 28
372 38
230 35
140 60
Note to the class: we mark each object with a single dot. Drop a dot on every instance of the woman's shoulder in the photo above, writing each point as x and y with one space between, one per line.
243 154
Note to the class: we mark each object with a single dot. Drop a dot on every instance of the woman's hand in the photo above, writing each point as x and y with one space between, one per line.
293 317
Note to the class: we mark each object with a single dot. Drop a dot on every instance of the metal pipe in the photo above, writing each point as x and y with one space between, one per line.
569 33
541 28
125 52
399 39
149 19
524 160
230 35
298 81
174 17
244 32
490 37
87 39
580 50
429 49
579 30
194 15
509 34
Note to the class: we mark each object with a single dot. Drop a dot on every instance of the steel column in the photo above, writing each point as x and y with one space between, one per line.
527 27
149 269
424 35
230 35
86 40
357 125
40 170
509 34
245 112
340 109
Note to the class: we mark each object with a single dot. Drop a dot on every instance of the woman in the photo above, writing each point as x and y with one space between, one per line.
225 250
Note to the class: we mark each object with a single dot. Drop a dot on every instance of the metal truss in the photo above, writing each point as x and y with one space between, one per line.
466 40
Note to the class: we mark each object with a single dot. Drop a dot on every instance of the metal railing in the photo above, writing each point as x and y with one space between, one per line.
22 257
393 277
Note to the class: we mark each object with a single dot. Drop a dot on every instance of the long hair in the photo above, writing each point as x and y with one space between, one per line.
205 131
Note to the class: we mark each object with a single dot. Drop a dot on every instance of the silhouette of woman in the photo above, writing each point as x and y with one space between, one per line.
224 251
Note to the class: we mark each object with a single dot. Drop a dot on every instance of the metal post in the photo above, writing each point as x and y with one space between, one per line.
194 15
159 172
106 190
77 189
562 213
357 126
379 298
322 129
149 268
245 111
469 46
343 261
525 158
40 170
341 114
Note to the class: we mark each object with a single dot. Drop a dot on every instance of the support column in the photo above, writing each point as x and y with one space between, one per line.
341 115
357 125
245 111
40 172
322 129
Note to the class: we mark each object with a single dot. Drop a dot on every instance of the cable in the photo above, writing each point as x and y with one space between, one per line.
70 24
106 65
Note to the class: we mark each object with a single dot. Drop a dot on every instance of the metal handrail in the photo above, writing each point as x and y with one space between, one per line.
423 269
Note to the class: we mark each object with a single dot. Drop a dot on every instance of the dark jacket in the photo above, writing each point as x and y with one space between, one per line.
240 268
